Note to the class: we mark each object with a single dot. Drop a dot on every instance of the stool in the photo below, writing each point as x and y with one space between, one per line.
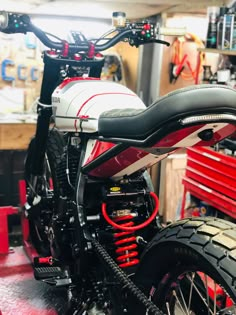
4 241
28 246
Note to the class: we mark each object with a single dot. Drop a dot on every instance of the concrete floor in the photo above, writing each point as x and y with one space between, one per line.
21 294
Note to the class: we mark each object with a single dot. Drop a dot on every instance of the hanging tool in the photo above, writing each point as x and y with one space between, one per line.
179 62
176 69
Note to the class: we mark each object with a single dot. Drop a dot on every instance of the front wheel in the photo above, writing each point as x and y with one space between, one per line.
47 185
190 268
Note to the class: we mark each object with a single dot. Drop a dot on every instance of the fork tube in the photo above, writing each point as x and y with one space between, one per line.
49 83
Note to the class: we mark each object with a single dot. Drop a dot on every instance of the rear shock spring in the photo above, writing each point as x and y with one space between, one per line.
127 253
126 243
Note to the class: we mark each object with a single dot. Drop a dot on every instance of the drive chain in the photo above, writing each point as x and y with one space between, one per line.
122 277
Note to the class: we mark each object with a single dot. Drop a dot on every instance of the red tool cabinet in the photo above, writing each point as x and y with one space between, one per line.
211 177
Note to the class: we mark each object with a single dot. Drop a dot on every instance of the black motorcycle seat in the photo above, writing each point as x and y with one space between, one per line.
138 124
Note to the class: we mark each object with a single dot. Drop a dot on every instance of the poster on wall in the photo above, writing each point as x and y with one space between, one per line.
11 100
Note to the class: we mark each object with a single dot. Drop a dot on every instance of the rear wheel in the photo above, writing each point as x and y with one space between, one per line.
190 268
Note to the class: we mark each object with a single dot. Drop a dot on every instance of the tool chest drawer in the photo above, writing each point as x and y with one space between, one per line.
211 177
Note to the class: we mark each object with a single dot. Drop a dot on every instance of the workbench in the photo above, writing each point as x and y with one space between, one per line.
16 136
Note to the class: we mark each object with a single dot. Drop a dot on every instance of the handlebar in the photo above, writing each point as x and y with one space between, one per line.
135 33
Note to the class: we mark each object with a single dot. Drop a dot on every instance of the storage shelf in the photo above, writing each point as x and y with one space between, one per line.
218 51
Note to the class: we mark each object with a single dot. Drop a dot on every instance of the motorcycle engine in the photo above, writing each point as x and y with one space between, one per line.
62 223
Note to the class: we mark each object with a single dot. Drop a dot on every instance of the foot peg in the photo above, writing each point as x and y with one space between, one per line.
42 273
52 275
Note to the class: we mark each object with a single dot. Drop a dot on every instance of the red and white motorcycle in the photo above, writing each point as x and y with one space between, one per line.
92 212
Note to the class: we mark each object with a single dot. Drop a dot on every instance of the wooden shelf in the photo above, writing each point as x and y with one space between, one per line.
218 51
16 136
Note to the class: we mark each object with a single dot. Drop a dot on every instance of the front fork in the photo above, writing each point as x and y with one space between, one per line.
37 158
42 129
51 78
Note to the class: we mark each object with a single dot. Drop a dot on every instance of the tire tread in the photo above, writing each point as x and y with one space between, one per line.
212 237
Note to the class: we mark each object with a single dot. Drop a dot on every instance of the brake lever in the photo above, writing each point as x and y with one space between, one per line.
137 43
163 42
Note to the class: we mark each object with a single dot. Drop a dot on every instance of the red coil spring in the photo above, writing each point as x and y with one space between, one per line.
126 253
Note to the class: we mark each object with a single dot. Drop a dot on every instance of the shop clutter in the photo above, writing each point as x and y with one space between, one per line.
221 32
225 74
221 37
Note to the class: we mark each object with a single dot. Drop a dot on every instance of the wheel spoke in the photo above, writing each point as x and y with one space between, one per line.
183 299
178 301
214 297
201 297
191 291
168 308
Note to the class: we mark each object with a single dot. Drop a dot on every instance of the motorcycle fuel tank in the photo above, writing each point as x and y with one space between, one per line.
78 102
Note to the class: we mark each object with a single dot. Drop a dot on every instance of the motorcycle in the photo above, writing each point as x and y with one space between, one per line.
92 211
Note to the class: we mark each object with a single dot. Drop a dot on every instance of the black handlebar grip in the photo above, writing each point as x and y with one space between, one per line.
14 22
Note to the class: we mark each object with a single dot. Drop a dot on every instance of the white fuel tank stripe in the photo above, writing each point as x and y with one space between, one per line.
193 138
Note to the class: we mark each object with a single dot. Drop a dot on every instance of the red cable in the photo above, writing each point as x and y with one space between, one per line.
137 227
180 66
